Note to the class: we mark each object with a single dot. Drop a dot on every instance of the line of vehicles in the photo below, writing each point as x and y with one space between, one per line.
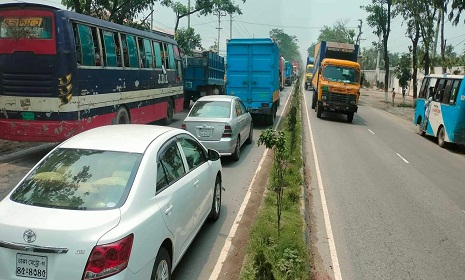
87 209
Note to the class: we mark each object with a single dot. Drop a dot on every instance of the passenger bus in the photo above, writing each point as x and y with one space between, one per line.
445 97
62 73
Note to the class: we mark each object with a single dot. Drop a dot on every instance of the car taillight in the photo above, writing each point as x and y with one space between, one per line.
109 259
183 126
227 133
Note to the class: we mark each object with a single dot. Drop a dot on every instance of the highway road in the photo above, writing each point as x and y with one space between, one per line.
201 258
387 203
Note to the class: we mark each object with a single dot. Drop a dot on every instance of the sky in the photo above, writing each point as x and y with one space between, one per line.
302 18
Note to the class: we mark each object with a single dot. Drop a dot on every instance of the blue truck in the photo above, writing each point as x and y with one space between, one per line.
253 75
288 73
203 75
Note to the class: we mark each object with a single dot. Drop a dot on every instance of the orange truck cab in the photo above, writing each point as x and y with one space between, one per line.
337 79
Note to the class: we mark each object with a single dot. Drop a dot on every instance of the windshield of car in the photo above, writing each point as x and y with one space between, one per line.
79 179
211 109
341 74
310 70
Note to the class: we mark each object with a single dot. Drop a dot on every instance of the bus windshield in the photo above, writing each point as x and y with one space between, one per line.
310 70
341 74
29 27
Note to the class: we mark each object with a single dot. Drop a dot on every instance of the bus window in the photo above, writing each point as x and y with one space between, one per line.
77 43
124 44
87 45
424 88
109 48
439 90
447 88
148 54
97 47
171 57
164 55
176 52
157 52
132 50
453 92
118 50
142 57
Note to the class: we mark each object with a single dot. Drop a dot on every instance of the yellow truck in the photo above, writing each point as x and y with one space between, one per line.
336 80
309 73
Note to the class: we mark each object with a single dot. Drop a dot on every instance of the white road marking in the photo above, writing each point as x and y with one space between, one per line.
402 158
227 245
371 131
329 232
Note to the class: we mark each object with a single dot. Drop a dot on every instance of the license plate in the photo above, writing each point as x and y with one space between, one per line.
204 132
31 266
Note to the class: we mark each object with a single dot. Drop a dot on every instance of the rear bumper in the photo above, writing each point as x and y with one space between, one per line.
38 131
261 111
338 107
225 146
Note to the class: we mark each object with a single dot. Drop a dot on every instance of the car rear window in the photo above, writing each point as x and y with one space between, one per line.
211 109
80 180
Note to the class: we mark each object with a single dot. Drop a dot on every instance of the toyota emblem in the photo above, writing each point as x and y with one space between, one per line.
29 236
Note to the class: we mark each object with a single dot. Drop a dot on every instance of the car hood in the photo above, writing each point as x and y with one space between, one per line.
55 227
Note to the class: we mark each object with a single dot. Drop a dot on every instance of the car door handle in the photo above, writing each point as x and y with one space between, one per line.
196 183
168 210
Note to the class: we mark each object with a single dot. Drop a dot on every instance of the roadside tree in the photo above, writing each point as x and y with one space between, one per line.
288 47
188 40
404 73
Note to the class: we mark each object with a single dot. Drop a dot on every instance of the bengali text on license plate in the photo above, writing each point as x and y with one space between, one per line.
31 266
204 132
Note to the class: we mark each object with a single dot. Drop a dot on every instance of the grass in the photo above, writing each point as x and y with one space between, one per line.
285 257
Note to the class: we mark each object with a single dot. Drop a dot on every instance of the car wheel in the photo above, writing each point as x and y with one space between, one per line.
350 117
162 267
250 138
216 204
237 150
169 113
122 116
441 135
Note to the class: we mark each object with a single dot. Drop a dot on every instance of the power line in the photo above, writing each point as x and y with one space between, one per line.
285 26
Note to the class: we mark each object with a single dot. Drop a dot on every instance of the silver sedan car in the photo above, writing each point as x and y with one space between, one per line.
221 123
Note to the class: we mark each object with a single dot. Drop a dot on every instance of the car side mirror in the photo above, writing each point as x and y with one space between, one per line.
213 155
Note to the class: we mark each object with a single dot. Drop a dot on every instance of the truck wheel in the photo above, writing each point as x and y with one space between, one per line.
319 110
270 118
350 117
314 100
187 103
306 87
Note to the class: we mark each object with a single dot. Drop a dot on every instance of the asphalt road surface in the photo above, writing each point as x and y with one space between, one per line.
395 201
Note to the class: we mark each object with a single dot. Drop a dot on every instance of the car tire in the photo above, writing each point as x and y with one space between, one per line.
216 204
169 113
122 116
237 150
250 138
162 267
441 134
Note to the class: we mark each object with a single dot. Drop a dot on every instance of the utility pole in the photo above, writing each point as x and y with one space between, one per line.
188 14
151 17
230 26
220 14
377 59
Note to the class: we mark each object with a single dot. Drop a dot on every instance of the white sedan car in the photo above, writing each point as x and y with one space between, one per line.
115 202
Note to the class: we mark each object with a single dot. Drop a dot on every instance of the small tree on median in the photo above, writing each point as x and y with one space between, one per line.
404 73
276 141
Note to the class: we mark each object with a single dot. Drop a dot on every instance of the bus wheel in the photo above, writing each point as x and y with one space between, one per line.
122 116
441 134
169 113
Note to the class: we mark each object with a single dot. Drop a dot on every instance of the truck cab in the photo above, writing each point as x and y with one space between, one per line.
309 76
337 87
